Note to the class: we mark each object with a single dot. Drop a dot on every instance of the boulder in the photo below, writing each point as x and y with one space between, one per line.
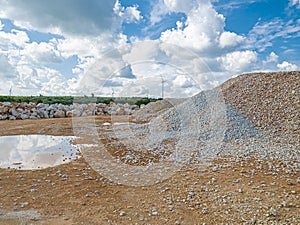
20 110
59 114
6 103
40 105
76 113
69 114
52 107
12 118
34 114
46 115
3 117
24 116
14 112
4 109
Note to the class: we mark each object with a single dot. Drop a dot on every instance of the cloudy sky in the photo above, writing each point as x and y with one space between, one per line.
129 48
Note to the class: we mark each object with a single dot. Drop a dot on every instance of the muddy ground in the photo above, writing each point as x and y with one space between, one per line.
226 190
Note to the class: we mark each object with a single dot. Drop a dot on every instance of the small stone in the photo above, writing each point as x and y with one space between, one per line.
154 212
23 204
253 220
273 212
122 213
191 193
290 182
237 180
205 211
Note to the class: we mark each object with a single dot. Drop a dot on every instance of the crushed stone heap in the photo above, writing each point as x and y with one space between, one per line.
257 113
271 101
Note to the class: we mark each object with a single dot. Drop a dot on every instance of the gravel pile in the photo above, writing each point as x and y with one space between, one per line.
197 126
270 101
253 114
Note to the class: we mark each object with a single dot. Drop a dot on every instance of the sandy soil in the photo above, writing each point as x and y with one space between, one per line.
226 191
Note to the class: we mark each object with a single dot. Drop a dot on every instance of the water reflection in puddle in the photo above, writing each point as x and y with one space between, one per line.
35 151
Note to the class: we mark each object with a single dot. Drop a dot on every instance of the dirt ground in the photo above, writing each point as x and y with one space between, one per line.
226 191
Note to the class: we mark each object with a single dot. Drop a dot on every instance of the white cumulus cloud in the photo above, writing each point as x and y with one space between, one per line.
273 57
128 14
7 71
287 66
42 53
180 6
230 39
201 32
239 61
163 7
13 38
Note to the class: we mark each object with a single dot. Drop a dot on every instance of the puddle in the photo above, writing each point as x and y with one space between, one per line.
117 123
122 123
35 151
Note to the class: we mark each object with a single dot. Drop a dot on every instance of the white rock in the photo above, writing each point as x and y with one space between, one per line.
59 114
122 213
24 116
12 118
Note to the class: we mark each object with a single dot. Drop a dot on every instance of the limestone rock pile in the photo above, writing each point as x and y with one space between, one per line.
13 111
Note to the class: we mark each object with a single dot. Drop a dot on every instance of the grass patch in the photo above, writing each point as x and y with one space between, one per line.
69 100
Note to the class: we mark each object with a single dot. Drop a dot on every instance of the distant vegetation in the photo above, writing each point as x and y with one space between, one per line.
69 100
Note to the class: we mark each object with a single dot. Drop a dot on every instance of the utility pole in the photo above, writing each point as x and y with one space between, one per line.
162 86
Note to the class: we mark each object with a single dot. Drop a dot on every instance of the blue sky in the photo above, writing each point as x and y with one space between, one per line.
75 47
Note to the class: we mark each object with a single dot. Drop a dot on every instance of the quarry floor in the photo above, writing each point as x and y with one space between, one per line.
226 190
